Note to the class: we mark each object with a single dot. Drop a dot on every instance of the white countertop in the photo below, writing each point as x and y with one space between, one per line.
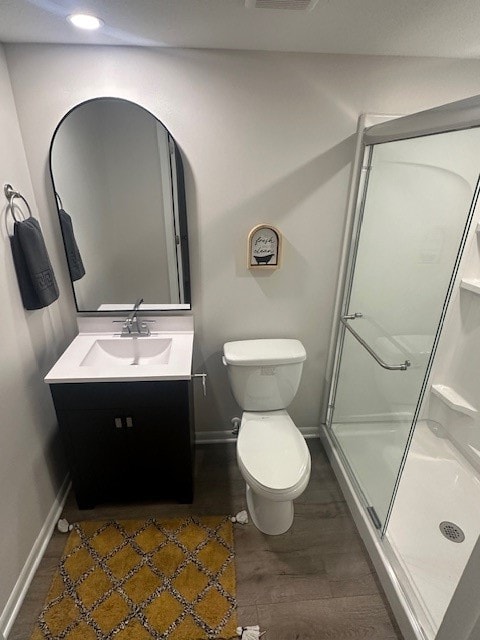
69 367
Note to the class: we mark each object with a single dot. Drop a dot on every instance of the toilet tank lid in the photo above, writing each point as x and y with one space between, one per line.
269 351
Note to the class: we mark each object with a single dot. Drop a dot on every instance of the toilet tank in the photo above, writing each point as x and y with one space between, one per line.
264 374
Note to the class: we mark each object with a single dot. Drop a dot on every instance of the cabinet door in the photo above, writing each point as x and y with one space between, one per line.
133 442
96 448
160 453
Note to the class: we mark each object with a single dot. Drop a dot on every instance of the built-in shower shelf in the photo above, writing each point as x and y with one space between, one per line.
470 284
453 399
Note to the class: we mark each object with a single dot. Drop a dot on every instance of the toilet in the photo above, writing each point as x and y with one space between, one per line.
272 454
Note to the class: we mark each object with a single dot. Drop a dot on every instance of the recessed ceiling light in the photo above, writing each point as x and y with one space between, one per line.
84 21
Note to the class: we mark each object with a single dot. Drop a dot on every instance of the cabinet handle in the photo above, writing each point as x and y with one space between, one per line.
118 423
203 376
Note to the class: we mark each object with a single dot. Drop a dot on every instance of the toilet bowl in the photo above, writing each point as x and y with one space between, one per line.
272 454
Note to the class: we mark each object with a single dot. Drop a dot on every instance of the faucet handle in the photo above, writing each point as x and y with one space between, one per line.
126 326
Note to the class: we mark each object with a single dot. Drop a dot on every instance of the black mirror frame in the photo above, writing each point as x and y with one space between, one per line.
182 211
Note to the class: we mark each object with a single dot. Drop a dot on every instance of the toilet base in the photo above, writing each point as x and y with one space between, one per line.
272 518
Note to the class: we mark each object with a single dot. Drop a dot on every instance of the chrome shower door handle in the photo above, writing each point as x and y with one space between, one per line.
391 367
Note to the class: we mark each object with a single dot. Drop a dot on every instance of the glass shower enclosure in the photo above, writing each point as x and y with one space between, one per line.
417 190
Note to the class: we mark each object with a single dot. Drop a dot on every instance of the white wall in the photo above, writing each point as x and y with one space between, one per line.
31 468
266 138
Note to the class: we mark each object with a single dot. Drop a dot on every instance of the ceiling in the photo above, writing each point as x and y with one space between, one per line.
445 28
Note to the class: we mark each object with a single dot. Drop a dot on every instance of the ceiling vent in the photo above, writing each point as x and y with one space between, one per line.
290 5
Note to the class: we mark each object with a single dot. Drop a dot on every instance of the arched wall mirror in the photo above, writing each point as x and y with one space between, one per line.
118 178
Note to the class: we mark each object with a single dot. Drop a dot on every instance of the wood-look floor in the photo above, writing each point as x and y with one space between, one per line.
315 582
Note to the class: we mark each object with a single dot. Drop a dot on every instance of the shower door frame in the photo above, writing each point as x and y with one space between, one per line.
347 290
453 117
361 188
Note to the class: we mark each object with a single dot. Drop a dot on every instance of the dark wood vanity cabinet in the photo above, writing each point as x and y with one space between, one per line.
127 441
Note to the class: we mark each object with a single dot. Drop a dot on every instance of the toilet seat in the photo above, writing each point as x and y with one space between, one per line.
272 455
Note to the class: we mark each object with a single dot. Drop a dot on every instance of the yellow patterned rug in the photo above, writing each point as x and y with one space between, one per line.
141 579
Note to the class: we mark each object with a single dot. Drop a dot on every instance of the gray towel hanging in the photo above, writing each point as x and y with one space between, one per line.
74 259
36 279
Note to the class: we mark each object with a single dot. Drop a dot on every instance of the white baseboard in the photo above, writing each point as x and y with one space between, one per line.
310 432
7 618
215 437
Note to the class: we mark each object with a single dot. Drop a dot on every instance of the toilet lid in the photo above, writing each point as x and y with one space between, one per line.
272 450
270 351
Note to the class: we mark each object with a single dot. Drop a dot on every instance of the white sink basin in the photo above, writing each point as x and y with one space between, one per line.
104 356
128 352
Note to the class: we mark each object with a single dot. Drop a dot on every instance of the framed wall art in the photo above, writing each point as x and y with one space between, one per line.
264 247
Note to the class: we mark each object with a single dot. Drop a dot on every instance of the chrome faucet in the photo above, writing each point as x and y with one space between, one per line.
132 326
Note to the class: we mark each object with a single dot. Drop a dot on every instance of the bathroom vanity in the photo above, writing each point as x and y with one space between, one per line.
127 440
125 413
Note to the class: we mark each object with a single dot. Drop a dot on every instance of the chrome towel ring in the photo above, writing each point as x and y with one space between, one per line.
11 195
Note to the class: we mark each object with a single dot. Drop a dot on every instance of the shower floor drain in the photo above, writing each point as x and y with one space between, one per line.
451 531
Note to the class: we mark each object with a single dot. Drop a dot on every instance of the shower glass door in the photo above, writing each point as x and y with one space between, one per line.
411 220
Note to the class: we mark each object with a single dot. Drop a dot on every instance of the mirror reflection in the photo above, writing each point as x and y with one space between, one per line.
118 178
